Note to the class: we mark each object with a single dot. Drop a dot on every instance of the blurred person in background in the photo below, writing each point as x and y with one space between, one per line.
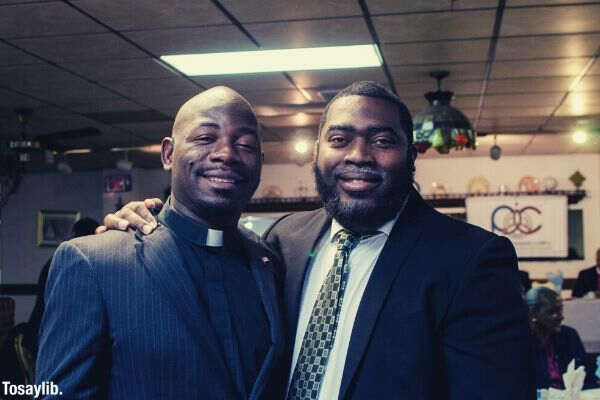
555 344
588 280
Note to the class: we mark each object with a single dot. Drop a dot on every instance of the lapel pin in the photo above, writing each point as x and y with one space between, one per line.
265 260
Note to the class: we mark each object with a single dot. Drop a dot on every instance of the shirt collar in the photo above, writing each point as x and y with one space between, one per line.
195 231
385 228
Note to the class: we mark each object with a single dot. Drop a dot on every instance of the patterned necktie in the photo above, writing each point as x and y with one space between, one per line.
320 332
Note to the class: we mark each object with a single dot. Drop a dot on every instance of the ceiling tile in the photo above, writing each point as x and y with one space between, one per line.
247 11
412 74
547 144
463 102
246 82
527 3
504 112
337 79
168 105
395 6
153 131
10 100
589 82
51 84
521 99
564 19
529 85
557 67
595 70
113 70
192 40
343 31
262 97
460 88
144 90
524 48
148 14
581 99
44 19
80 48
510 123
99 106
298 119
11 56
436 52
435 26
580 105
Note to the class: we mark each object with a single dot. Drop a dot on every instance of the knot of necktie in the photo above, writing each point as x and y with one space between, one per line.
346 240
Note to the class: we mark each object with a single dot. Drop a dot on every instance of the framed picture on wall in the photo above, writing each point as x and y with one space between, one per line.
54 226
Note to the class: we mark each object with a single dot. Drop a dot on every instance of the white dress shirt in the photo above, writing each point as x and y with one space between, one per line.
361 262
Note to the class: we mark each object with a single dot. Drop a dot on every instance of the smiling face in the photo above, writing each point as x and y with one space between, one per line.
550 314
214 155
363 165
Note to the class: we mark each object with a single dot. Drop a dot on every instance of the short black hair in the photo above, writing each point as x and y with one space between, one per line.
378 91
84 227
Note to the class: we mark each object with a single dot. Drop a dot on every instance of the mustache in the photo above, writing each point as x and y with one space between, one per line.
364 171
238 172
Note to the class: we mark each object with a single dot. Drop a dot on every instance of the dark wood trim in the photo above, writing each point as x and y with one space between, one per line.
290 204
19 289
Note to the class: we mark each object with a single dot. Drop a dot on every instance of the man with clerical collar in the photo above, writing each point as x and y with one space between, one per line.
188 311
385 298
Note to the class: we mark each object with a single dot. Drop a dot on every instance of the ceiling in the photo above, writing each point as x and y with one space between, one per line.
526 70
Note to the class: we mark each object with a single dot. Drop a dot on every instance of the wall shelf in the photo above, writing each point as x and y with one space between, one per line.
289 204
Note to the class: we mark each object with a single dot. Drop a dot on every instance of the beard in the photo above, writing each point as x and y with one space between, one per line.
364 216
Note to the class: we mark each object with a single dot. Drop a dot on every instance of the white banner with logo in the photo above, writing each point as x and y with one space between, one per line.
536 225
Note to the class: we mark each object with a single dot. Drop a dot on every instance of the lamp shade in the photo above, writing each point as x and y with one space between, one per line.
442 126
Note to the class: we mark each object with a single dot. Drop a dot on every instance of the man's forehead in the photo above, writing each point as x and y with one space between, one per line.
363 109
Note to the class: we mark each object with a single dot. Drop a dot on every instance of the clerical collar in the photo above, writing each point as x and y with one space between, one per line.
386 228
196 232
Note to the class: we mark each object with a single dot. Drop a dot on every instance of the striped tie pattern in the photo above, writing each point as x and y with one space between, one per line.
322 325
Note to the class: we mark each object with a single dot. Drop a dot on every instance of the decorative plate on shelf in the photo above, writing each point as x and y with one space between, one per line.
549 183
478 184
529 184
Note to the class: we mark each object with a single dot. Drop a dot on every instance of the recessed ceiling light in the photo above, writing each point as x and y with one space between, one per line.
301 146
303 59
579 137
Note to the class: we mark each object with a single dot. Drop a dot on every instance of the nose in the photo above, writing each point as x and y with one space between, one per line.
359 152
223 152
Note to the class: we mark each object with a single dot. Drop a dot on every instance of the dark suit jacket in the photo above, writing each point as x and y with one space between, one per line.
567 346
123 321
587 281
441 316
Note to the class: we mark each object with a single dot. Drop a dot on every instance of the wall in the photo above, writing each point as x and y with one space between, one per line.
20 258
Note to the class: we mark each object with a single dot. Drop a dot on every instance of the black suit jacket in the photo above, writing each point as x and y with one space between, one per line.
123 321
441 316
587 281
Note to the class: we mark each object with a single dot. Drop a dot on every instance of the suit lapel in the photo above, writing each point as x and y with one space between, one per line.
159 255
394 254
262 270
297 257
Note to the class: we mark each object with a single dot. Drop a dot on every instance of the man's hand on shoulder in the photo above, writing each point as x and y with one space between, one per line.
135 215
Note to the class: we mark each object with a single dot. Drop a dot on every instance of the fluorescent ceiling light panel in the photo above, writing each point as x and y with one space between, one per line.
305 59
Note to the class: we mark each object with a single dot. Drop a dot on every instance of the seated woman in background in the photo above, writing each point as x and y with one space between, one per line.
556 345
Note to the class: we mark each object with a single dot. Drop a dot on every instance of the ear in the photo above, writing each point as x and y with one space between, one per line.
166 152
